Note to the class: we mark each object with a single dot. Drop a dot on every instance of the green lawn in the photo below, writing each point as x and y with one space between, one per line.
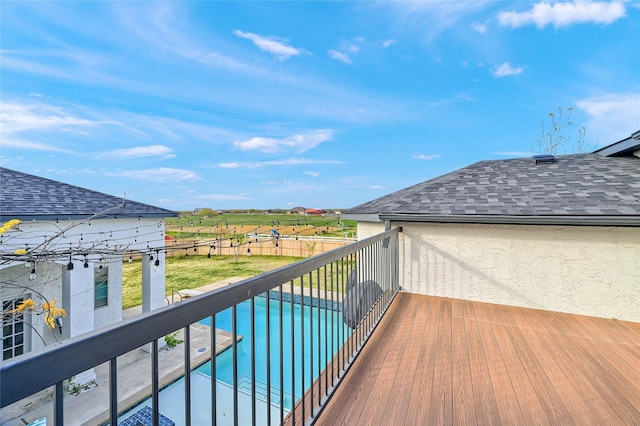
188 225
196 271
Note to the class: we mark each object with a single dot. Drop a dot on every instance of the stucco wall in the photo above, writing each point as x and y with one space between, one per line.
583 270
48 283
105 241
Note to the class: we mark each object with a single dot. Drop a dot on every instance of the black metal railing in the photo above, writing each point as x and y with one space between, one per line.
303 324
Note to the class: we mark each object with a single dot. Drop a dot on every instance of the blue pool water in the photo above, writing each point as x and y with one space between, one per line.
315 322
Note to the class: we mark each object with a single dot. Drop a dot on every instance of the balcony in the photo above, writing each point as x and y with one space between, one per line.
447 361
396 358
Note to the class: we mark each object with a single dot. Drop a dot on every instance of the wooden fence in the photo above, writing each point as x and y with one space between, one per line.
258 246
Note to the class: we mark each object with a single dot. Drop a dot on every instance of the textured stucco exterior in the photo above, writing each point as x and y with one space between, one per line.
583 270
104 241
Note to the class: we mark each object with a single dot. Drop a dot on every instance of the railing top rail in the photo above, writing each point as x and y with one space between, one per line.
72 356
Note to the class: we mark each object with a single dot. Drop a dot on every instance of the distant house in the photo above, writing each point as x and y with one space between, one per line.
315 212
561 234
298 210
71 242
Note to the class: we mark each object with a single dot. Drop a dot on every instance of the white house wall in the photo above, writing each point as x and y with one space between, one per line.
106 240
582 270
48 283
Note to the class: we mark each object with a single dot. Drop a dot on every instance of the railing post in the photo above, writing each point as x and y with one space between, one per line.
187 375
58 408
113 391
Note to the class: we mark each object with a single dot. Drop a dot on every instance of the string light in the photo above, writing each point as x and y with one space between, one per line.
86 262
32 275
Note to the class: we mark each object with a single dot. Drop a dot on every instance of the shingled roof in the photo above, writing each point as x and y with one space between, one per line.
575 189
28 197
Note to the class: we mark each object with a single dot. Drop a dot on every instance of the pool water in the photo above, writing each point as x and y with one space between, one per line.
313 322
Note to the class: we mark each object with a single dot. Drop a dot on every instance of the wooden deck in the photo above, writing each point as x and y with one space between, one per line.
439 361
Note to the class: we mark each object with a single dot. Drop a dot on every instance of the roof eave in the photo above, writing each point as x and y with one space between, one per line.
361 217
633 221
52 217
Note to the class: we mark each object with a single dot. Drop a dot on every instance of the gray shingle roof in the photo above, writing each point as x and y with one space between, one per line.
28 197
574 185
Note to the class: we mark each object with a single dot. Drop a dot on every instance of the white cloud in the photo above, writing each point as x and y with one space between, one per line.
161 174
505 70
376 187
426 156
564 14
350 47
312 173
298 143
140 151
388 43
339 56
276 182
433 18
611 117
230 165
20 117
271 45
286 162
481 28
29 145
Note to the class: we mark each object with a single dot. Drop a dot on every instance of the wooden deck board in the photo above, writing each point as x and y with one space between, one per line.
445 361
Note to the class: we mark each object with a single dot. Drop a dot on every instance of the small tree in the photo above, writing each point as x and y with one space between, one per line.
554 135
208 212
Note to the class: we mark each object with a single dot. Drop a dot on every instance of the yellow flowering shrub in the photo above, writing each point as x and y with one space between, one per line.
48 308
9 225
27 305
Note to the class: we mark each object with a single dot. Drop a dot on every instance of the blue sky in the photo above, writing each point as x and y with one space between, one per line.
319 104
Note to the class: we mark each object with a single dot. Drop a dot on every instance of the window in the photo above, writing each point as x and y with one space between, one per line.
101 285
13 330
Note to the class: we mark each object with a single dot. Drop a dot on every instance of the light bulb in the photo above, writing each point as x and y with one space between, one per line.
32 275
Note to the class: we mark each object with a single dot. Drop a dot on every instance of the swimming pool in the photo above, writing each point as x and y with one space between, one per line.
315 322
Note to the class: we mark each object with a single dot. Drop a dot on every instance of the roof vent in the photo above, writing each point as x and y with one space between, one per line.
544 158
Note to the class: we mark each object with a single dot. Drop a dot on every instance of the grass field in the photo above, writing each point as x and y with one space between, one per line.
188 272
202 226
196 271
